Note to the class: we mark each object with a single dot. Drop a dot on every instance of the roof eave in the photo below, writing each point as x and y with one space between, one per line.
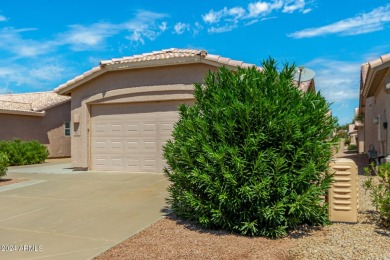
373 68
66 88
151 63
23 113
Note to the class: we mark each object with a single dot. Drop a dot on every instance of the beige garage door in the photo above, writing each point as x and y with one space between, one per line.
130 137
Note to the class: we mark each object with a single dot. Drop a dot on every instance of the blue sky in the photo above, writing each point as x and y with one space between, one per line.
45 43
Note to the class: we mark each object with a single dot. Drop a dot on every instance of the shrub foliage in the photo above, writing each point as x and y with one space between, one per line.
380 190
24 152
3 164
251 154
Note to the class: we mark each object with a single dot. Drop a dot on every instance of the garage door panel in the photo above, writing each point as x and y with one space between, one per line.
99 128
116 162
132 146
116 128
149 128
133 163
116 145
150 146
100 145
130 137
150 162
132 129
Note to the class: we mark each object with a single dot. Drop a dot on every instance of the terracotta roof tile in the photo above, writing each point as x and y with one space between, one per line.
157 58
32 102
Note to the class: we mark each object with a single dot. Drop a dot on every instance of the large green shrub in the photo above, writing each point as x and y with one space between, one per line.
24 152
251 155
380 190
3 164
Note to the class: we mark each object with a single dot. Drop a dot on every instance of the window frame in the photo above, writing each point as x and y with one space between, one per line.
67 128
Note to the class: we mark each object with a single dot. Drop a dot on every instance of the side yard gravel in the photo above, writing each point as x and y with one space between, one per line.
364 240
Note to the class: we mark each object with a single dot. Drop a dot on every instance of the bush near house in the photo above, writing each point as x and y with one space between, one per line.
347 141
380 190
352 147
251 155
3 164
24 152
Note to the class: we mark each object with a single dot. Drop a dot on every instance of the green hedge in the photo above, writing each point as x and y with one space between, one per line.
24 152
3 164
251 155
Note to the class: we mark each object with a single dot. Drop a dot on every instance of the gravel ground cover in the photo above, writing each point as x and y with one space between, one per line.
170 238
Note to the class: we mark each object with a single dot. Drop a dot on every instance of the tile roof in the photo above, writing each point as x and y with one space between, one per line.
157 58
31 102
372 75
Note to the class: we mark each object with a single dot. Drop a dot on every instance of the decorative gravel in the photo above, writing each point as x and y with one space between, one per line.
174 239
364 240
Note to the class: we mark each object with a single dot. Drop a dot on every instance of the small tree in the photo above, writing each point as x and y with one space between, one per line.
251 155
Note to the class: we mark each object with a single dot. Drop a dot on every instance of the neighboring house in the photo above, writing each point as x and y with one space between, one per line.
374 106
41 116
124 110
352 133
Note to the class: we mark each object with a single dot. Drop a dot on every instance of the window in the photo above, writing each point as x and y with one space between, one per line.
67 128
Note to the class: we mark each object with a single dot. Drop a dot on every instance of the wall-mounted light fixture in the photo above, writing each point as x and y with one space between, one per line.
376 120
76 118
387 84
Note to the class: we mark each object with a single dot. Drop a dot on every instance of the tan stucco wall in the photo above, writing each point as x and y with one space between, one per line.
48 130
360 140
377 106
138 85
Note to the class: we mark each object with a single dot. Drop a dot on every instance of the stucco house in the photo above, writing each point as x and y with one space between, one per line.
123 111
352 133
41 116
374 107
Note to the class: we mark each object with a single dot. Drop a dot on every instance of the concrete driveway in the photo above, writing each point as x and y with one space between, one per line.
61 214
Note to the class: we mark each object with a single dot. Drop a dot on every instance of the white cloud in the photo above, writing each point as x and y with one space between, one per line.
34 76
258 8
163 26
360 24
83 37
337 80
227 19
46 72
180 28
3 18
221 29
232 14
263 8
291 6
212 17
144 26
197 28
12 40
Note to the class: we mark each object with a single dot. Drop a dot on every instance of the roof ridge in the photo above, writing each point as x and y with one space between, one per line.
27 93
194 52
1 100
